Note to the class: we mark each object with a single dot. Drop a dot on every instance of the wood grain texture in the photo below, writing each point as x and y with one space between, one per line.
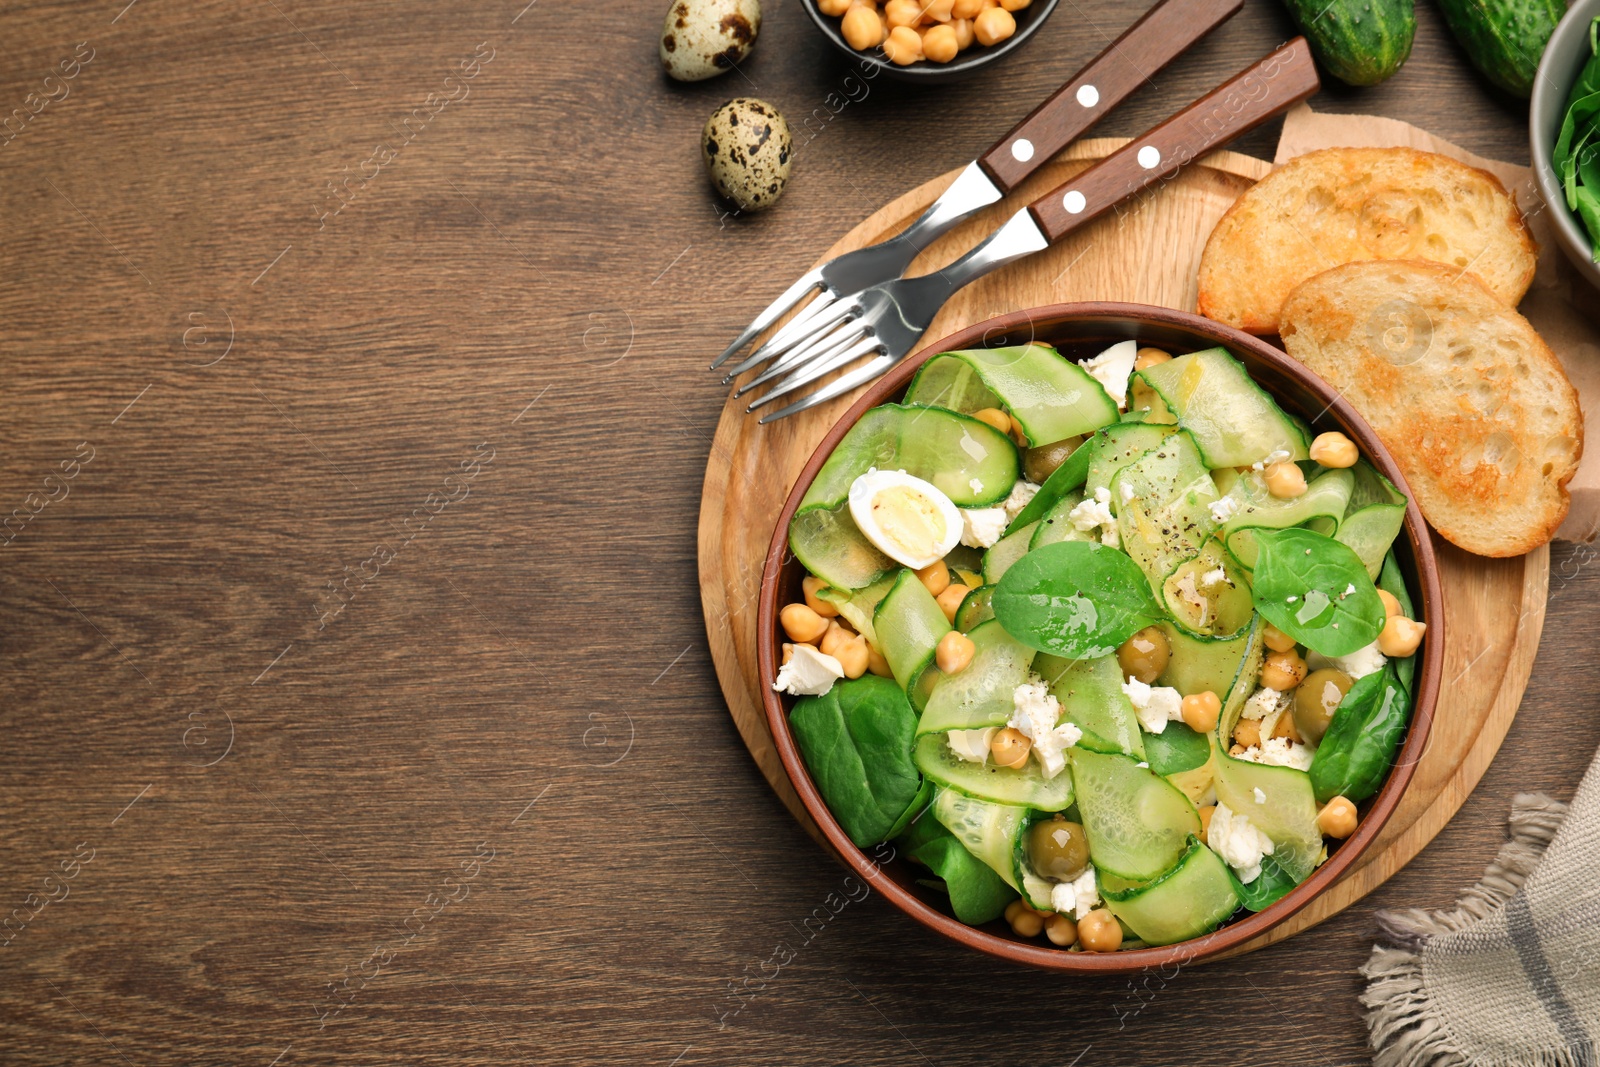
1495 609
549 240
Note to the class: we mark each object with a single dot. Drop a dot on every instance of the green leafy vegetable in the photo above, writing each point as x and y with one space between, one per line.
1317 591
1391 581
1076 599
1362 739
1066 478
1576 156
977 894
856 741
1267 889
1175 749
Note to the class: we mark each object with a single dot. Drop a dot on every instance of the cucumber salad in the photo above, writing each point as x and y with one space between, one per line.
1113 648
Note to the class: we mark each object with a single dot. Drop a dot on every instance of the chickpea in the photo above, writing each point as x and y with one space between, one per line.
809 587
854 656
963 28
877 664
1062 931
863 28
1058 849
936 576
1041 462
1285 480
1282 671
1205 819
903 46
1145 654
833 8
902 13
1337 818
993 26
1027 922
1334 449
1247 733
802 624
1277 640
1148 357
1201 711
994 417
940 44
954 652
1317 699
1015 5
950 600
835 638
1391 606
966 9
1400 636
1285 728
1010 748
937 11
1099 931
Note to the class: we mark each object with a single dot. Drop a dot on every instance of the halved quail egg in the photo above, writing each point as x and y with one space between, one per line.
910 520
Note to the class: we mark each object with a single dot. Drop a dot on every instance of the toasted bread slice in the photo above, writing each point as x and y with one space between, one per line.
1473 405
1346 205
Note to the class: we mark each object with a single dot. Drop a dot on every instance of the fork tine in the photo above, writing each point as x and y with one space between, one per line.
860 376
818 368
818 318
791 296
818 351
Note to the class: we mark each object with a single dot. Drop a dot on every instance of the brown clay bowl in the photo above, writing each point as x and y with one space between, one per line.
1079 330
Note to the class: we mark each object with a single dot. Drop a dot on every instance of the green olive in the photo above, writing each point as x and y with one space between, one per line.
1058 849
1041 462
1145 654
1316 699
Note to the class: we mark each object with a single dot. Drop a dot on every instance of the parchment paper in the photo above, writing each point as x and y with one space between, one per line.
1560 304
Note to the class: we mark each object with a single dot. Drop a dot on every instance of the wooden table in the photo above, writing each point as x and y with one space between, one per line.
357 700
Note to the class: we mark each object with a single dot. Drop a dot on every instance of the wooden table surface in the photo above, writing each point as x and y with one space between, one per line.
357 701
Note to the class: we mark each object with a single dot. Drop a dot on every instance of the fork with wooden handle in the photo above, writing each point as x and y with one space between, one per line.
1165 32
886 320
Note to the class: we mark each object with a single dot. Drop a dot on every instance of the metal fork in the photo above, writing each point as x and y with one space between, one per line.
1159 37
886 320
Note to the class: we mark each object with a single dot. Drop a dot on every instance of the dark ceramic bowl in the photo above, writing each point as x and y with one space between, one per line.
1080 330
1029 19
1563 59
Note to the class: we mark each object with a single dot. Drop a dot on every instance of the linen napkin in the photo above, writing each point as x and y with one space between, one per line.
1511 976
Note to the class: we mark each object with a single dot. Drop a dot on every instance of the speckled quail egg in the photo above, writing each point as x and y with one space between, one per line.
910 520
703 38
747 149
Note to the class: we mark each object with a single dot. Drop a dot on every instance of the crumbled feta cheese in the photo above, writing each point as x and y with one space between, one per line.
1261 796
972 745
1214 577
1187 592
1277 455
982 527
808 673
1095 513
1076 898
1262 702
1128 493
1239 842
1351 588
1154 705
1224 509
1280 752
1112 369
975 484
1358 664
1022 492
1035 718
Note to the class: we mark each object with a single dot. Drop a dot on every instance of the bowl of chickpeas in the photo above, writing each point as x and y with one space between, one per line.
928 40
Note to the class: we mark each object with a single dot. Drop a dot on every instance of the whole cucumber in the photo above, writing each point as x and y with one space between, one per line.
1504 38
1361 42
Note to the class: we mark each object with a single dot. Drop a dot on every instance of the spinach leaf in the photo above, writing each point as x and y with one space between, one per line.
1268 888
977 894
1066 478
1391 581
1177 748
1576 156
1316 590
1077 599
1362 738
856 741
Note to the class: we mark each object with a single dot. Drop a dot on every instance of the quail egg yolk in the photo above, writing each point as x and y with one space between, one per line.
909 521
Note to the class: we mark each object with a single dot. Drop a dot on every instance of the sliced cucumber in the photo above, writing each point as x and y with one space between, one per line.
1057 524
1252 505
1138 824
1035 889
976 607
1162 501
981 694
1233 420
1377 515
1195 782
909 624
1190 900
1006 551
970 461
992 832
1090 691
1287 815
859 605
1209 596
1244 681
1048 395
1027 786
1116 448
1198 664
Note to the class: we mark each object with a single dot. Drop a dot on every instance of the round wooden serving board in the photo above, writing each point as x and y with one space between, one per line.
1150 253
